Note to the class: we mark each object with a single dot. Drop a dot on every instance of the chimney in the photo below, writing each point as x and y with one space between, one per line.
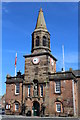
19 73
70 69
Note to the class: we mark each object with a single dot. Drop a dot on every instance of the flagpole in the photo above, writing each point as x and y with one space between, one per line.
63 57
15 63
15 71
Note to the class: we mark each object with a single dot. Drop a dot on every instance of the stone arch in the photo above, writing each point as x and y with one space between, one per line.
44 41
60 103
36 108
37 41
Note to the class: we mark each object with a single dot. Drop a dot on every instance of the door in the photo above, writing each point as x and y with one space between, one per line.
36 108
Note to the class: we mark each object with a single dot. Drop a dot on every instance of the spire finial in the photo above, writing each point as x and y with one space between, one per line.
41 10
40 21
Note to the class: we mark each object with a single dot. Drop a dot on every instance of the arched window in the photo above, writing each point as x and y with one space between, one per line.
16 106
48 42
58 107
37 41
44 41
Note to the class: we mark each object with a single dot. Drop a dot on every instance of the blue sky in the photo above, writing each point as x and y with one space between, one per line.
18 23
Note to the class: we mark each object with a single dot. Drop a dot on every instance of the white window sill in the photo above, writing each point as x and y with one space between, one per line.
41 96
58 111
58 92
16 110
16 93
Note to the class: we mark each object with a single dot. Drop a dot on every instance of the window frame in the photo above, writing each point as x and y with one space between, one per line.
41 90
17 93
58 87
8 106
29 90
15 106
58 108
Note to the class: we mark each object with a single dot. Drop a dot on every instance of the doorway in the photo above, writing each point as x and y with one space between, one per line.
36 108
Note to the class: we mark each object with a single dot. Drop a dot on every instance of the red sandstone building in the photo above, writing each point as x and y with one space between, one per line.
41 91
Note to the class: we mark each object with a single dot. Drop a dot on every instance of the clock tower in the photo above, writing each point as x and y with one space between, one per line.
40 62
38 65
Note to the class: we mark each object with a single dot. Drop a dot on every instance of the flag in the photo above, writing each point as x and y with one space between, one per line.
15 59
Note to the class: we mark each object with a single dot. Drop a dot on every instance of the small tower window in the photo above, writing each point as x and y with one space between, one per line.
44 41
37 41
48 42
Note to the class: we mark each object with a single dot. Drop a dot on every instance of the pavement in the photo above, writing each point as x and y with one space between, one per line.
13 117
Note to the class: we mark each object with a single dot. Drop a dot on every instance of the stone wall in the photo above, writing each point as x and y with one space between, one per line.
40 70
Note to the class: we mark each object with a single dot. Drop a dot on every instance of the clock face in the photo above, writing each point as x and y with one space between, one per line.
35 60
51 61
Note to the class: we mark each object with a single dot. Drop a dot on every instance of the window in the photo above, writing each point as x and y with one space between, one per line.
28 90
37 41
7 107
16 106
48 42
17 87
58 107
44 41
41 90
57 87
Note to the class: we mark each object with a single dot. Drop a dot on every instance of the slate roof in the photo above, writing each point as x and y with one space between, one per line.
67 75
76 73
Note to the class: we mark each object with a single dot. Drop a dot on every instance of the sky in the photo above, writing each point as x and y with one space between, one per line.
19 21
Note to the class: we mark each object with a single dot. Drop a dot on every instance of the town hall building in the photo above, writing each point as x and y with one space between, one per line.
41 91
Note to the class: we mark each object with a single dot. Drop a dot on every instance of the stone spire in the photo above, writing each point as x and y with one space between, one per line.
40 36
40 21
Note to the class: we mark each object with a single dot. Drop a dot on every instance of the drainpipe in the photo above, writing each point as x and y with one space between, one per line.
73 98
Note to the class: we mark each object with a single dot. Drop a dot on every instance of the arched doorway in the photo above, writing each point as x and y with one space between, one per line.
36 108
